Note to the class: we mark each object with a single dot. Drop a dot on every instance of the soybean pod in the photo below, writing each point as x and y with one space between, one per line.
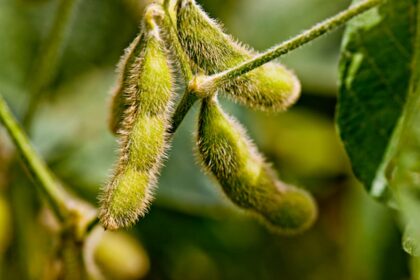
226 152
270 87
143 132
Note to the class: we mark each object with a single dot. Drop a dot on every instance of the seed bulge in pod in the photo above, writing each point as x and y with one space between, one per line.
143 137
270 87
247 180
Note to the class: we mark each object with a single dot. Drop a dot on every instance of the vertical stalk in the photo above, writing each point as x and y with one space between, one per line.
48 185
187 101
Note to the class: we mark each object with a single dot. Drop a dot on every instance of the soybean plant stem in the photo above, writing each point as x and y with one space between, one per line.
36 166
187 101
293 43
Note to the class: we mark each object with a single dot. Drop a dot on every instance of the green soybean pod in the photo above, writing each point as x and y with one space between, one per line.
143 138
270 87
248 181
121 256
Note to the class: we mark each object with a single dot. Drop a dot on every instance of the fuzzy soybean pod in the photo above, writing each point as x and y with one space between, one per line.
248 181
143 136
270 87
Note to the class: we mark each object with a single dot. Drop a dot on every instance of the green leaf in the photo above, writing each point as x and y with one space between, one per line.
379 109
376 69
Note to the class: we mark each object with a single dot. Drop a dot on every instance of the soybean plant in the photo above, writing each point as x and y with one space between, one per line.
141 106
178 34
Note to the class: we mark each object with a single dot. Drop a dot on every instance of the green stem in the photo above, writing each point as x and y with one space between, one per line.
187 101
38 169
47 62
316 31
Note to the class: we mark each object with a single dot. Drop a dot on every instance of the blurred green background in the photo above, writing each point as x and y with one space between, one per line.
191 232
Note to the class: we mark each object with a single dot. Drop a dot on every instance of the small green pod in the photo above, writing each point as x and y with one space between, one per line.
143 136
121 256
246 179
270 87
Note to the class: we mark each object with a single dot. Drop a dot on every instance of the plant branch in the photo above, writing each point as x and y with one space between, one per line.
214 81
46 64
36 166
187 101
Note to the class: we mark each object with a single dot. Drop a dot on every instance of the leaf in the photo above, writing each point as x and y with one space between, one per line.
376 69
379 109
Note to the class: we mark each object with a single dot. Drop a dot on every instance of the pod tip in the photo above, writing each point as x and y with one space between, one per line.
293 212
